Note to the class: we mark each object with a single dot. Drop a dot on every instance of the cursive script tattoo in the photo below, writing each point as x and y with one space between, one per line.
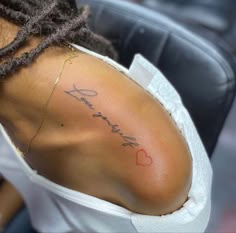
77 93
128 141
82 95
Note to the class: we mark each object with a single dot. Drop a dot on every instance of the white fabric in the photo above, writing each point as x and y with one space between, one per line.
54 208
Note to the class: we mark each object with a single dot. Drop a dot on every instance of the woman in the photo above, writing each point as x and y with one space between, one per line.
86 154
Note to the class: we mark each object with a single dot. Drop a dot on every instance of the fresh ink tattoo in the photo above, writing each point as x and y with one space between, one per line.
83 95
128 141
143 159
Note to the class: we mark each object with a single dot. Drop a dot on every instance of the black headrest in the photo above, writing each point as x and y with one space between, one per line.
198 70
211 18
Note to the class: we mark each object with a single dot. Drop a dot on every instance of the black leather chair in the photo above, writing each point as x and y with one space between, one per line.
203 73
212 17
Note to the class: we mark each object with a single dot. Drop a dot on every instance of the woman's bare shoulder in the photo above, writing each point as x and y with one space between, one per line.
108 124
141 145
129 136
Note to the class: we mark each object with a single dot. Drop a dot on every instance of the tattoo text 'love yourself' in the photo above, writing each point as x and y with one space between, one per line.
83 95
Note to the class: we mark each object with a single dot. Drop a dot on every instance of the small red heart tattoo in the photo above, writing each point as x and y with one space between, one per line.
142 158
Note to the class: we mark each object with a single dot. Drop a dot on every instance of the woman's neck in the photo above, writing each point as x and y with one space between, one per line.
20 98
8 32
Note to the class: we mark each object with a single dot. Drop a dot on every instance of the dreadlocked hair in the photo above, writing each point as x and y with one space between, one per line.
58 21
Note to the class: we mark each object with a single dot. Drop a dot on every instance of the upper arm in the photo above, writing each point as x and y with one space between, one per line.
141 142
10 202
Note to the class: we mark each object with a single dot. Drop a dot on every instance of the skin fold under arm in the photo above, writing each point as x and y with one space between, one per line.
10 203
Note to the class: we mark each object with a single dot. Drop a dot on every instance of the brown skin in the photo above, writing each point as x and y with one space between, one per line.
79 151
10 203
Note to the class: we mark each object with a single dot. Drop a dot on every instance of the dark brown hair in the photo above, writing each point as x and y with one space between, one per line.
57 21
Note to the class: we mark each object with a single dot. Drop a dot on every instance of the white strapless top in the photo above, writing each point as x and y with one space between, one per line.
56 209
